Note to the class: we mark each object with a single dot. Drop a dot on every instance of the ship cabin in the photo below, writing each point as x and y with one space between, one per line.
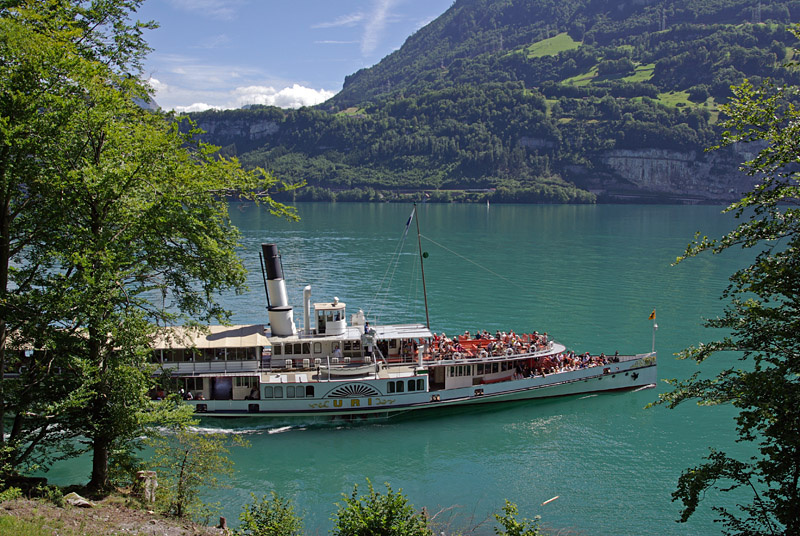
216 362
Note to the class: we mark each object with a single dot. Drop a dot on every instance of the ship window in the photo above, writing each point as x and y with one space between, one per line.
299 392
278 390
495 367
393 343
309 391
420 384
290 391
480 368
317 347
268 391
412 385
400 387
277 349
306 348
390 387
298 348
246 381
194 384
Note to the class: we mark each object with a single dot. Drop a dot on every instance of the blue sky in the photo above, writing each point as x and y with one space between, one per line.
287 53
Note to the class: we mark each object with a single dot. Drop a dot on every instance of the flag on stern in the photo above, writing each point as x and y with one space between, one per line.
652 315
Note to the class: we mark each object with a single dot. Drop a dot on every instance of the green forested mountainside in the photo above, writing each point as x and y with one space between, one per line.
527 101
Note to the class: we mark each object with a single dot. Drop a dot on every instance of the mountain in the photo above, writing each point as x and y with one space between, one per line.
533 101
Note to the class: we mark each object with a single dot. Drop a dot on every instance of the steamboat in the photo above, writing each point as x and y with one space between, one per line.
332 367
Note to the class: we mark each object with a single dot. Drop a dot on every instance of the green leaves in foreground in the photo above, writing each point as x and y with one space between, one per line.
378 515
760 327
269 516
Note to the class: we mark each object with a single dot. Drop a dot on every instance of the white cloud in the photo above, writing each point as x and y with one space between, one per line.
213 9
196 107
216 41
332 42
295 96
374 26
344 20
288 97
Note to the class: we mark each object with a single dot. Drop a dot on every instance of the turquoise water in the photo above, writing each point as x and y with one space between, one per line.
587 275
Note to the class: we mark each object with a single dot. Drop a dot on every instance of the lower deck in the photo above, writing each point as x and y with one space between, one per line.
404 388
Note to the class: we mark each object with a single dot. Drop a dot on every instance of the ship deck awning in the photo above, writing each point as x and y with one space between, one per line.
239 336
402 331
389 331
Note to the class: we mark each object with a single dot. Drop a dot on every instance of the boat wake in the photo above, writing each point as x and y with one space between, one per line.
281 429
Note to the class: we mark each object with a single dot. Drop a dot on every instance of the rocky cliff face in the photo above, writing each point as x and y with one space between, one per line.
245 134
658 174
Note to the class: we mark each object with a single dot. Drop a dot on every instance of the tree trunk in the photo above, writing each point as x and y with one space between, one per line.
100 454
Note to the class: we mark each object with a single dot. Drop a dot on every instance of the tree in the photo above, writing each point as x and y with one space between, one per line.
512 527
270 516
48 49
133 231
187 461
761 324
378 515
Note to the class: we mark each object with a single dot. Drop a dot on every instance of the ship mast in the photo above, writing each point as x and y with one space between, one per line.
422 269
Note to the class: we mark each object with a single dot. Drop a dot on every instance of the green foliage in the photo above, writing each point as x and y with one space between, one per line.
9 494
269 516
51 494
760 324
378 515
186 461
509 526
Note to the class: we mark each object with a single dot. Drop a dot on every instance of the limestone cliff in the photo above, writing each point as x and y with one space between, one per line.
662 175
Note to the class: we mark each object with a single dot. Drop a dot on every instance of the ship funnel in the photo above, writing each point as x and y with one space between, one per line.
281 315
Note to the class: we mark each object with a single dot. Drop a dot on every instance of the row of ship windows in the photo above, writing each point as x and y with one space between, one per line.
413 385
206 354
304 348
292 391
196 384
480 368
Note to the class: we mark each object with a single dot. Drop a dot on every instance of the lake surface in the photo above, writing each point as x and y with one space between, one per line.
587 275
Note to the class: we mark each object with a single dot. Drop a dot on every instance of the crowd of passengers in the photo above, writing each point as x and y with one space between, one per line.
467 345
566 361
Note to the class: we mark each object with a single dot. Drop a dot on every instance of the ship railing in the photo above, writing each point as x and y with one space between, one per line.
223 367
453 359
